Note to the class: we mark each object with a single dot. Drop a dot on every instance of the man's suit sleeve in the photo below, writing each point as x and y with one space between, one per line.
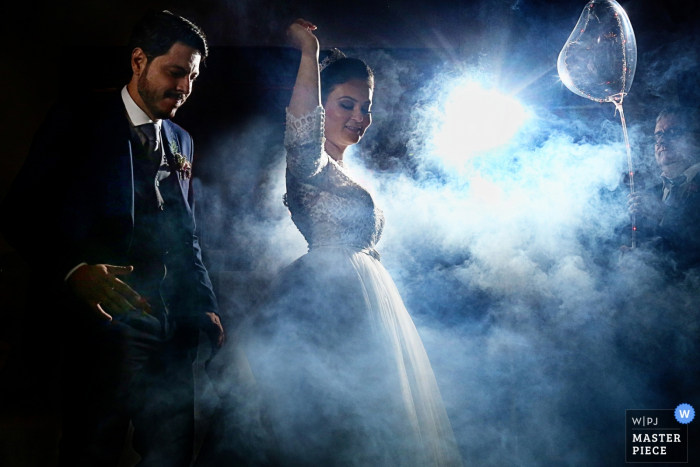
207 299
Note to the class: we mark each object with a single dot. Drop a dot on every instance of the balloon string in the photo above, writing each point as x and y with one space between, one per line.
618 106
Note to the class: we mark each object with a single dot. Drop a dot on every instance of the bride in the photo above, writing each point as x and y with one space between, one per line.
340 374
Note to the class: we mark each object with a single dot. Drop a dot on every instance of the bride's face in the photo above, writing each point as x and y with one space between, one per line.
348 113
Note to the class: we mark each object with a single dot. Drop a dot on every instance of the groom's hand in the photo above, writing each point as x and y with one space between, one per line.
99 287
211 325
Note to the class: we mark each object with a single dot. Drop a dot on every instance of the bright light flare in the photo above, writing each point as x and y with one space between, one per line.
477 119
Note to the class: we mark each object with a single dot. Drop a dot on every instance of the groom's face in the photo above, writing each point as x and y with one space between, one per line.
167 80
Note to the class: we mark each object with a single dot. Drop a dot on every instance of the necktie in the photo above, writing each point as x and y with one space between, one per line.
674 186
151 143
153 152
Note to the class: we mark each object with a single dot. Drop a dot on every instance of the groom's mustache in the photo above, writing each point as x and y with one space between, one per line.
175 95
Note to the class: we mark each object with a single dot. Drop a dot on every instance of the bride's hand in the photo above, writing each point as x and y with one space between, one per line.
301 37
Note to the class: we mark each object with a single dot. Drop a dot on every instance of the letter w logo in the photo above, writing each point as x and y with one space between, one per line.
684 413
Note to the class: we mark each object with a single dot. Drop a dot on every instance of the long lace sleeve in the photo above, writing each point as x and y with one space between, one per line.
304 140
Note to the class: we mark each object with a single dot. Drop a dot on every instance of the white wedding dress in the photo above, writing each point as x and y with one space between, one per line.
340 373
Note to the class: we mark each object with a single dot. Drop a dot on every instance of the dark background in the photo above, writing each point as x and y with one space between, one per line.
54 49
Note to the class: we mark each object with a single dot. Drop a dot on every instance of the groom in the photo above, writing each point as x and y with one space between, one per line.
103 210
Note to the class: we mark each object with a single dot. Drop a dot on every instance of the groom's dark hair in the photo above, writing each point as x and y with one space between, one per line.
158 31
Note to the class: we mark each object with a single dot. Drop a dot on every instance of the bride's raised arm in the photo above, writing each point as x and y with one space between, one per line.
307 89
304 138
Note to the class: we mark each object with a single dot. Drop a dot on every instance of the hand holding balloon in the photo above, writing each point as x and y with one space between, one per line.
647 205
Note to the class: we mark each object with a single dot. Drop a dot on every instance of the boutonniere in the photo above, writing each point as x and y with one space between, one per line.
183 166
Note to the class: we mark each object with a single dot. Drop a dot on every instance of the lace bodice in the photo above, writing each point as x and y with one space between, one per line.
327 205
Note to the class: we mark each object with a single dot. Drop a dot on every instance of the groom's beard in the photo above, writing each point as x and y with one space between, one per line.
155 99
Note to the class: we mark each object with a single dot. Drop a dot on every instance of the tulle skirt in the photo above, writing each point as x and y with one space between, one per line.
330 371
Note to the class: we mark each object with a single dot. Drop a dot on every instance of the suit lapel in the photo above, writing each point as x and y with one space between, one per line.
114 158
170 140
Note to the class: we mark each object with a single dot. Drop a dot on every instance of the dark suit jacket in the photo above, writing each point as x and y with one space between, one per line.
679 230
677 237
73 202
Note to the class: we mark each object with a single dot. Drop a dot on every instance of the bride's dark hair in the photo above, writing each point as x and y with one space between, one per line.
344 70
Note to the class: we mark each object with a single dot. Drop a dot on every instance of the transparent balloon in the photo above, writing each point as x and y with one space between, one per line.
598 62
599 59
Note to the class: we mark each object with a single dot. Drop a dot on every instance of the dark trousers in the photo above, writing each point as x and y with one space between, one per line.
125 371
